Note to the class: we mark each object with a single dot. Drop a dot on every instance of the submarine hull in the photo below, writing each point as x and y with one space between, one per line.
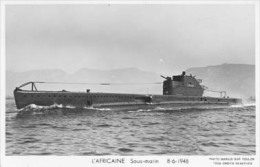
24 98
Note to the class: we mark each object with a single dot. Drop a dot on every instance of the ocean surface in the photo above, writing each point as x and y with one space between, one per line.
159 131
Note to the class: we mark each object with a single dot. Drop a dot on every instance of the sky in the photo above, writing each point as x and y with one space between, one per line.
158 38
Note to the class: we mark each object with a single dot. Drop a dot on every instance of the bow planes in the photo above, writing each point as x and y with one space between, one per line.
179 90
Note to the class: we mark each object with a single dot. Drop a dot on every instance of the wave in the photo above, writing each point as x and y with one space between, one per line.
172 109
34 107
99 109
188 108
42 109
38 107
243 105
249 104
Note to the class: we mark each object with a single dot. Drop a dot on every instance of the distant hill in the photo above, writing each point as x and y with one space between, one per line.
238 80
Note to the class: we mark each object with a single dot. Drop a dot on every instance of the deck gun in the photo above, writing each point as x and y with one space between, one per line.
167 78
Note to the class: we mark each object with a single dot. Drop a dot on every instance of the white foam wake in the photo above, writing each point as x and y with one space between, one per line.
58 106
37 107
243 105
99 109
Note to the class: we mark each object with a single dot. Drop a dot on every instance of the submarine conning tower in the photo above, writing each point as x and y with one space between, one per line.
183 85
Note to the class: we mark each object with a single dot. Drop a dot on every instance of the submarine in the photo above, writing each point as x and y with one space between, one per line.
178 90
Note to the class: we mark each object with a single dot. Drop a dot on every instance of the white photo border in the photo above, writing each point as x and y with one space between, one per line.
60 161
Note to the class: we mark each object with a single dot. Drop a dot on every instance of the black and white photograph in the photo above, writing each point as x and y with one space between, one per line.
130 79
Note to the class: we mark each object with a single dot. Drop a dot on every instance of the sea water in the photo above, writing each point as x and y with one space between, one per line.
161 131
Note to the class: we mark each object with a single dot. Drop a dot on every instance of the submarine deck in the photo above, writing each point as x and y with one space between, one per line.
24 98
